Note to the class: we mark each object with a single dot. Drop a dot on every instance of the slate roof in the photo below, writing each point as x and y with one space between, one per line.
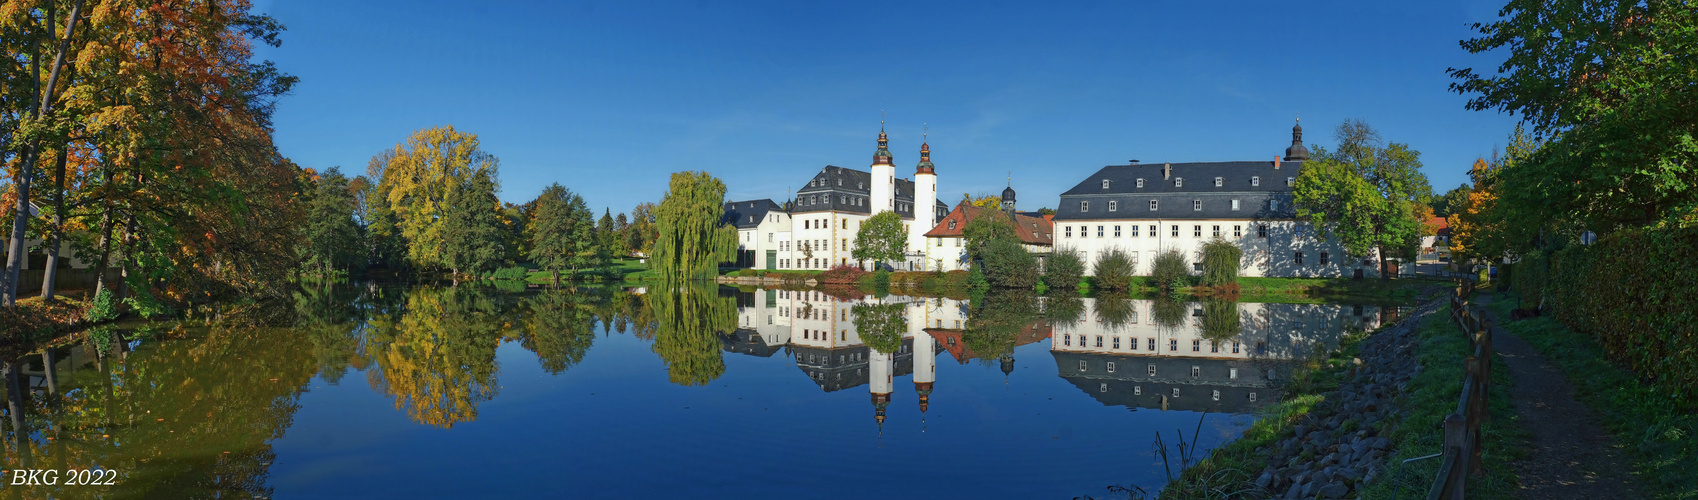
1172 372
849 368
1032 228
825 189
749 213
1177 201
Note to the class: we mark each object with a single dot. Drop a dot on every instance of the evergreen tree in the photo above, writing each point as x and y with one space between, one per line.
470 234
332 237
560 230
606 238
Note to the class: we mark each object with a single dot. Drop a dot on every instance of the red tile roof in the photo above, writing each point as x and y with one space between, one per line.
1031 230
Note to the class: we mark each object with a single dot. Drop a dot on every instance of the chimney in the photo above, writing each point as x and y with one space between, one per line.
1276 162
1167 170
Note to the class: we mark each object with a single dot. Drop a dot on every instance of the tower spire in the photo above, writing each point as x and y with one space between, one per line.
1296 152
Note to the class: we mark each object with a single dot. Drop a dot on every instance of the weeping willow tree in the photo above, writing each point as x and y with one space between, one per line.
688 322
1167 313
1221 320
881 325
1115 310
691 241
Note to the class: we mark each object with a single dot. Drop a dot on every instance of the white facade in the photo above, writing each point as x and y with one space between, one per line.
1271 247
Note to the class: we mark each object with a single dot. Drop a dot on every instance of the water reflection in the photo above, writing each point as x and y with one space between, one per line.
193 409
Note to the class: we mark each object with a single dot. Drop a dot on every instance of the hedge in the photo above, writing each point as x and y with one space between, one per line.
1636 292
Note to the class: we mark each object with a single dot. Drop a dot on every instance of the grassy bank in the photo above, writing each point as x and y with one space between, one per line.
1228 472
1659 437
1431 396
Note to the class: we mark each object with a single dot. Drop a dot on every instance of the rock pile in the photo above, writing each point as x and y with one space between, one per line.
1338 445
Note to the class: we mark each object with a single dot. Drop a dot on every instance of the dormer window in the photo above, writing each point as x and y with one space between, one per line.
1289 181
1152 205
1112 205
840 183
1140 183
1255 182
952 225
1084 206
1179 182
1273 205
1105 183
1219 181
1197 205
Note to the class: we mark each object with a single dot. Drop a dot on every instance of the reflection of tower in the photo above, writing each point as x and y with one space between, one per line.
1007 367
880 368
925 369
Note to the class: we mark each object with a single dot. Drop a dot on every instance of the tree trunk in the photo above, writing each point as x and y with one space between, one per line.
57 238
105 262
124 265
20 221
1383 274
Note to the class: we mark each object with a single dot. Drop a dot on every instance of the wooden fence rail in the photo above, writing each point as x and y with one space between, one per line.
1462 436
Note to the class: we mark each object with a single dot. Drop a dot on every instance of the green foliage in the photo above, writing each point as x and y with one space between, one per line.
468 234
881 238
1168 313
689 320
984 226
1610 83
1115 310
333 240
418 179
880 325
1364 194
976 279
1221 320
1113 270
1632 291
1220 262
510 273
143 303
1007 264
1170 271
691 241
103 308
1065 269
842 273
561 231
1452 202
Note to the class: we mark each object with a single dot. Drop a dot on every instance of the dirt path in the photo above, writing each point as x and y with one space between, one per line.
1569 455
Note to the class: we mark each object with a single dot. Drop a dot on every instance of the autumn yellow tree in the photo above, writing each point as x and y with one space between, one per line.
1470 224
418 180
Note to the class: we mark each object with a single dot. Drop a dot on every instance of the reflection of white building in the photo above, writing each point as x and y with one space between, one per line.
1123 358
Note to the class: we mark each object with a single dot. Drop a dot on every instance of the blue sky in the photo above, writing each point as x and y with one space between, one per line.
610 98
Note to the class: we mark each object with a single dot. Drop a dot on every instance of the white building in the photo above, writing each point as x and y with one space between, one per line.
763 227
1144 209
946 243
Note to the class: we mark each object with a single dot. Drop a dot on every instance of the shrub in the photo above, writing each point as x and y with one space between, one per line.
103 308
510 273
976 279
1170 271
1008 265
1220 262
1065 269
842 274
1113 270
881 279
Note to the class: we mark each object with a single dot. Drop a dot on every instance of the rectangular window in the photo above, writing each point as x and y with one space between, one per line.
1116 346
1173 345
1196 231
1105 183
1220 182
1176 231
1117 231
1324 258
1255 182
1179 182
1134 231
1261 230
1111 367
1197 205
1217 231
1084 206
1290 180
1152 372
1298 258
1152 205
1067 340
1081 365
1140 183
1113 205
1273 205
1235 205
1152 349
1068 231
1196 371
1235 347
1099 231
1099 341
1214 346
1152 231
1237 231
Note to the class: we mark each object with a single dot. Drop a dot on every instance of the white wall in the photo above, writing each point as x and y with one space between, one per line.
1271 256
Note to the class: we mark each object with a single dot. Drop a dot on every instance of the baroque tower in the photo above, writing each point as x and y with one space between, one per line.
925 200
883 188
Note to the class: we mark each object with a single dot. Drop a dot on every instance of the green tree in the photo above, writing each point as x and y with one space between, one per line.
640 235
332 238
1610 83
418 179
880 325
1452 202
1007 264
688 321
1113 270
1170 271
691 241
470 234
881 238
606 243
985 225
1221 260
1364 194
1065 269
560 232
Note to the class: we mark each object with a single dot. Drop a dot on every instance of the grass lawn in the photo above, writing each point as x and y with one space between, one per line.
1659 436
626 269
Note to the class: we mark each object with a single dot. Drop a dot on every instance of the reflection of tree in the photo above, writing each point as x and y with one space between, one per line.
329 315
186 418
1167 313
996 320
1220 320
640 316
1064 310
438 360
688 322
557 329
1115 311
881 325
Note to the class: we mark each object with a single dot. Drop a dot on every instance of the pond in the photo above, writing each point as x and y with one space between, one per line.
452 392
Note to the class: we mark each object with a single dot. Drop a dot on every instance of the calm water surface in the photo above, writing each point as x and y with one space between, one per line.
453 392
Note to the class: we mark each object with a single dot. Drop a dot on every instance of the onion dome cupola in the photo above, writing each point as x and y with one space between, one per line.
925 166
924 389
1008 195
880 402
882 156
1296 152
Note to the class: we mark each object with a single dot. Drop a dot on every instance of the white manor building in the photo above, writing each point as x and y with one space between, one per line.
818 229
1144 209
